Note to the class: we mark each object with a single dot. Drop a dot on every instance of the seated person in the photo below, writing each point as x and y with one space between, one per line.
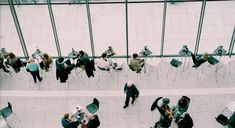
103 63
14 61
181 107
199 61
63 68
185 122
46 61
68 123
136 64
2 66
74 54
93 122
83 60
109 52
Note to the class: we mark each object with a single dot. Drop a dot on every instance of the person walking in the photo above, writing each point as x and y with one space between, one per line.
131 92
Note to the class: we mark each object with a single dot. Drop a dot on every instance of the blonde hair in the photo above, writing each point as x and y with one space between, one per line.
11 55
205 56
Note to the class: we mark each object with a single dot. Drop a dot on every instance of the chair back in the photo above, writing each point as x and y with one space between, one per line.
7 111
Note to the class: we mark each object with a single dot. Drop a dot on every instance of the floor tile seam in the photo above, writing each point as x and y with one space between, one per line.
112 93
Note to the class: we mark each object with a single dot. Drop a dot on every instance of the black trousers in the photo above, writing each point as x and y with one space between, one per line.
35 74
128 99
3 67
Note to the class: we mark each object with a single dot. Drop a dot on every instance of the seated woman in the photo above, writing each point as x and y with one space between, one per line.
198 61
14 61
103 63
136 63
46 62
68 123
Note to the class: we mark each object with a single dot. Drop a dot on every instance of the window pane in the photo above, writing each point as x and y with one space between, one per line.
72 27
9 38
218 25
181 26
108 22
36 28
145 22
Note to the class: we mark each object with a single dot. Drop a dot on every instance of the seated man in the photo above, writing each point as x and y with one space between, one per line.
136 64
2 66
15 62
68 123
199 61
103 63
110 52
93 122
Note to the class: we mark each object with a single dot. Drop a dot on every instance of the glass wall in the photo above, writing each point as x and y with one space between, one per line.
218 25
108 21
72 27
36 28
108 24
9 38
144 22
182 21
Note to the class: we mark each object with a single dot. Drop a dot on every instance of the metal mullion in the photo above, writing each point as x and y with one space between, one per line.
90 28
200 26
18 28
54 27
127 35
231 46
163 27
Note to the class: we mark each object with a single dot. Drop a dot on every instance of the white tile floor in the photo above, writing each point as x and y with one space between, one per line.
43 104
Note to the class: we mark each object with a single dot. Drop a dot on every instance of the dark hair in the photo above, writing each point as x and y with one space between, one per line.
135 55
60 59
104 55
81 52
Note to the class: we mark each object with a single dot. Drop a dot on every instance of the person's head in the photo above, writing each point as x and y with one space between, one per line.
129 83
45 56
81 53
186 116
205 56
104 55
11 55
135 55
66 116
60 59
31 60
165 101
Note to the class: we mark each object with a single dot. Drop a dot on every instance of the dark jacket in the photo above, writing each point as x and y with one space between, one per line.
131 91
95 123
62 72
69 124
